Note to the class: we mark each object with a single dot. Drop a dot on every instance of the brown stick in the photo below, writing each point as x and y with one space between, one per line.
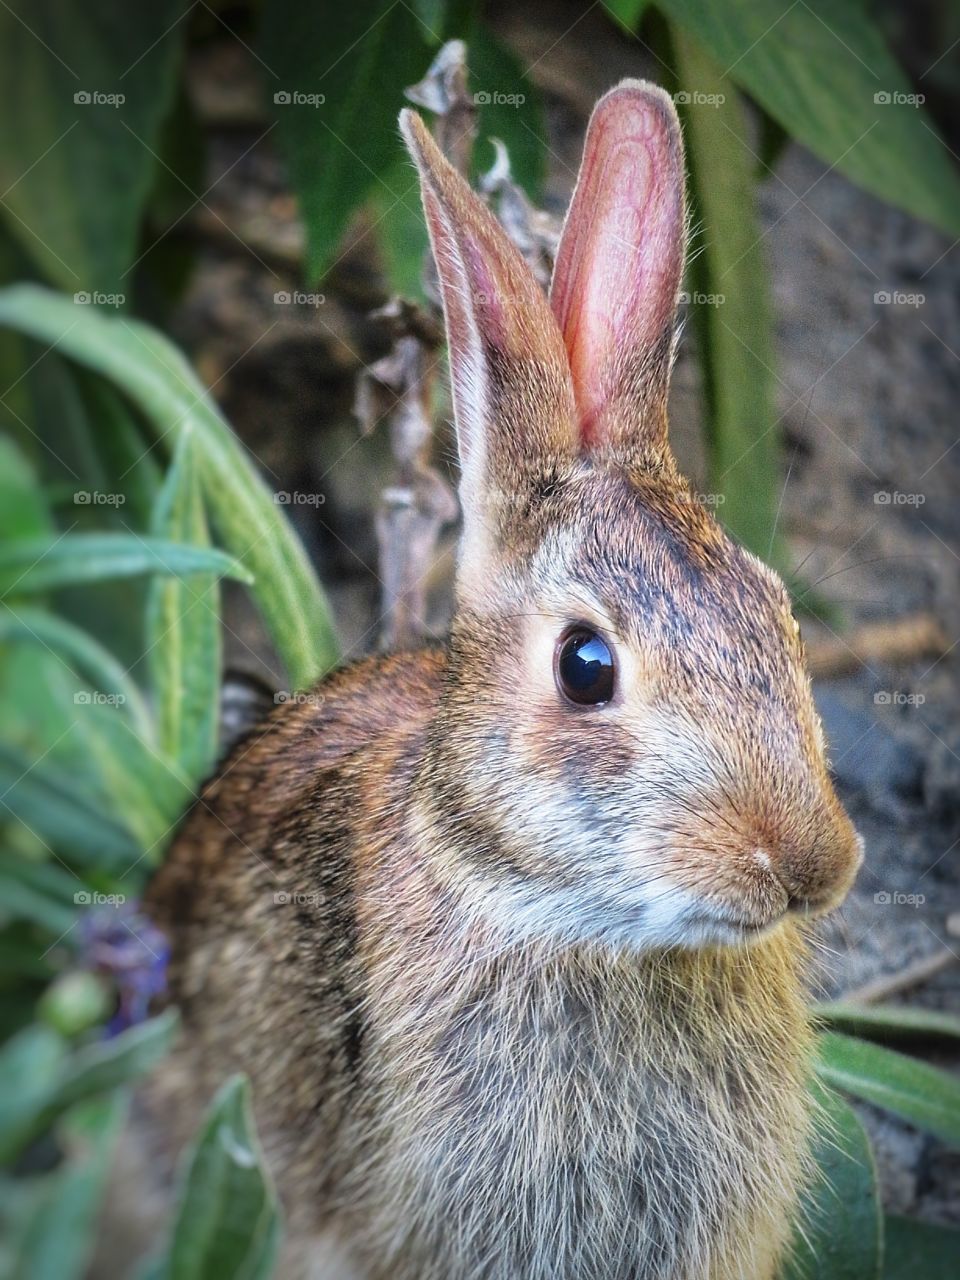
919 635
894 984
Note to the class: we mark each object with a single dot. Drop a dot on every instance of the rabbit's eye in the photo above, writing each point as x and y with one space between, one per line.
584 667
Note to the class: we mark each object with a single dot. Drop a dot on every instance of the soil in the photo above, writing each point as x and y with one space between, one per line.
867 391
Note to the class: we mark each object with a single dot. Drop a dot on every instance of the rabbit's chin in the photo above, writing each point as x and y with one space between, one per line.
673 918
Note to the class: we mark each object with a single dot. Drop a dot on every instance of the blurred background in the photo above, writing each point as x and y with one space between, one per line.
226 465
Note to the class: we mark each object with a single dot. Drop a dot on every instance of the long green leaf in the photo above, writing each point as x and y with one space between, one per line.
56 1237
888 1022
839 1235
155 376
39 891
50 803
339 75
29 1065
76 163
183 628
920 1094
730 304
228 1221
823 71
920 1250
28 624
41 564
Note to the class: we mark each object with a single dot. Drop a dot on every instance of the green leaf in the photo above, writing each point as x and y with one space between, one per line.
228 1221
29 1066
358 58
60 1082
627 12
729 302
156 377
919 1249
513 112
40 564
61 814
922 1095
75 174
817 67
839 1235
23 512
39 891
401 231
107 1064
888 1022
55 1238
183 628
86 655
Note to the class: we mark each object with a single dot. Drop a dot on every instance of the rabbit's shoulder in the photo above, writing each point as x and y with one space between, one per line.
291 774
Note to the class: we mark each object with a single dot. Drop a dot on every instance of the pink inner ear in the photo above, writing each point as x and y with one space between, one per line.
621 254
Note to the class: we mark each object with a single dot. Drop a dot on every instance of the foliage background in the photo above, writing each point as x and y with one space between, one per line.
191 241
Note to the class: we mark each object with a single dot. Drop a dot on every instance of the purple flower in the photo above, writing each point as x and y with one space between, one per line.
125 947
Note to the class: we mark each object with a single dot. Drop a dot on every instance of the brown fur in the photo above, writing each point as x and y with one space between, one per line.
528 1004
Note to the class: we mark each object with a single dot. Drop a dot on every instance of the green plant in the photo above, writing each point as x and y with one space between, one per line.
88 813
333 78
111 613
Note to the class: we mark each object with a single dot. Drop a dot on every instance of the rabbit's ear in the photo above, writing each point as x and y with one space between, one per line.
618 270
512 394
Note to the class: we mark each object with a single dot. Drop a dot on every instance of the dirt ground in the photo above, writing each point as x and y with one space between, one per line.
867 391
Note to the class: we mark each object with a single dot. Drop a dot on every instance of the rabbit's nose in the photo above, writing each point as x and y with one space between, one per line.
818 880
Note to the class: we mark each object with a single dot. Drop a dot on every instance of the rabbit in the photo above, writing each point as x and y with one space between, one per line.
509 933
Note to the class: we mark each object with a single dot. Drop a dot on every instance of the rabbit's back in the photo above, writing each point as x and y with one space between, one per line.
259 901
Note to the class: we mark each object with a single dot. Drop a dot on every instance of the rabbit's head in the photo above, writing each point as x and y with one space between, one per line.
627 748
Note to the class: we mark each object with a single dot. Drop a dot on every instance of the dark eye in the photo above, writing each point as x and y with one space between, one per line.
584 667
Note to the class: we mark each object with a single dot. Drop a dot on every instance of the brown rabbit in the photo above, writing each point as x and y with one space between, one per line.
507 934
